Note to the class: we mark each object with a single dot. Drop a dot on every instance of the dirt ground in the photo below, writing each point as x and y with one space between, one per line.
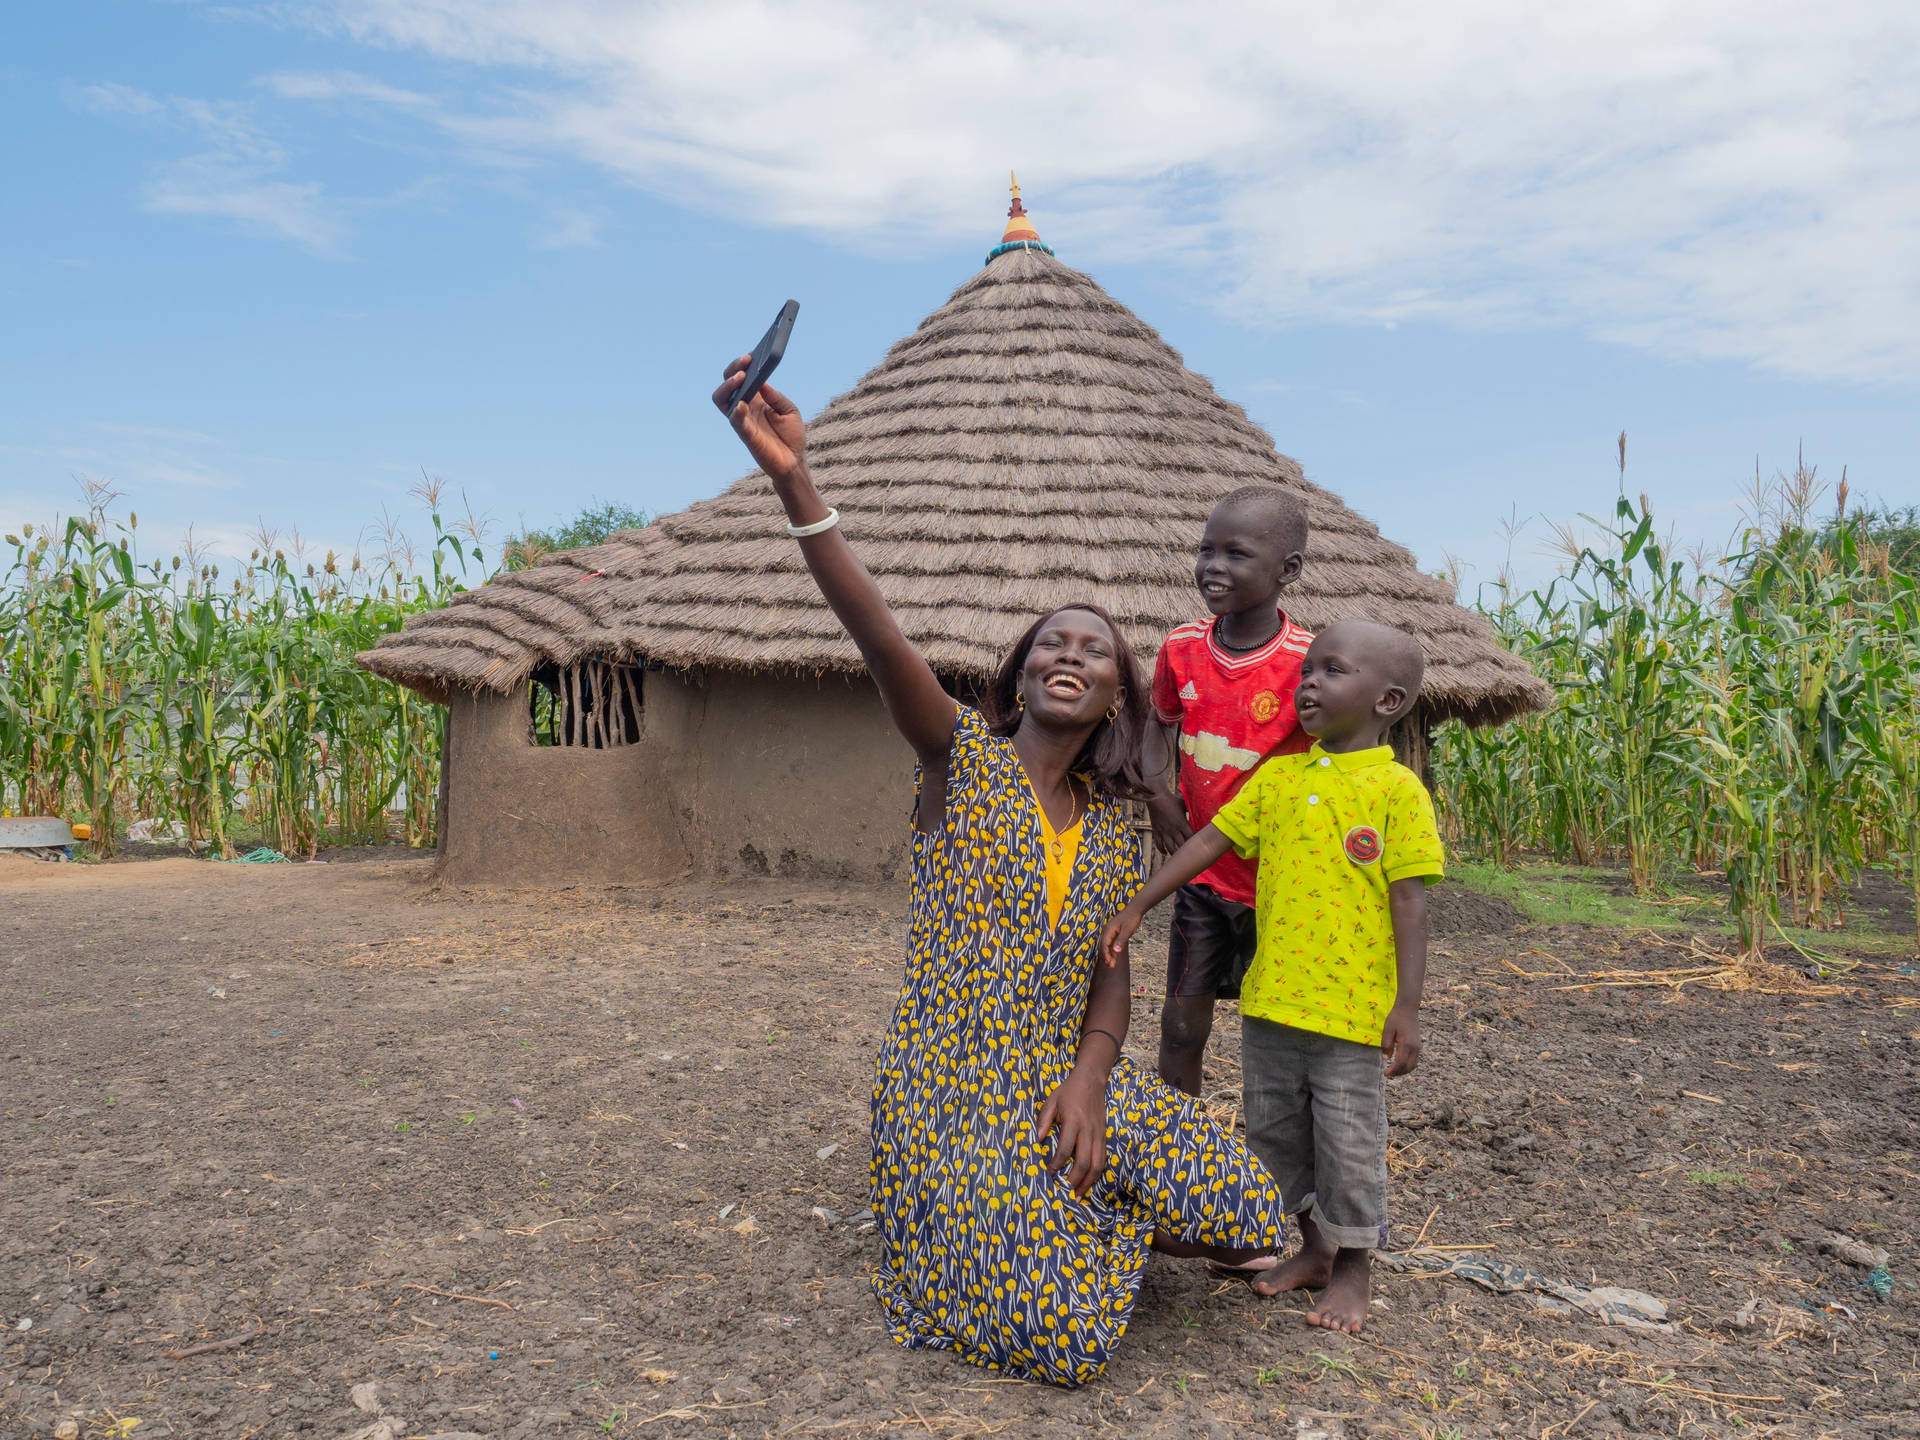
579 1164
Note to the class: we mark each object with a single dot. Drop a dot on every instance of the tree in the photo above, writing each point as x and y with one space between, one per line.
1888 539
599 520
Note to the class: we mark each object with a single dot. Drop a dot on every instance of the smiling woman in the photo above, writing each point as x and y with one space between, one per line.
1021 1166
1111 761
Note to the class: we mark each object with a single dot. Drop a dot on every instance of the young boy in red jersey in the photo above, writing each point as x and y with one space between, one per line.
1223 694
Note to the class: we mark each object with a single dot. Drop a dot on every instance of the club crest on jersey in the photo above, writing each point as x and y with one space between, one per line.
1264 707
1363 845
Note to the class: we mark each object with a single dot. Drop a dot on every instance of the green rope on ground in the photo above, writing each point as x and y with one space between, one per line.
265 855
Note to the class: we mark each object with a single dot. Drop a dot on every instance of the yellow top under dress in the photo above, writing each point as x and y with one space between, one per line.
1060 848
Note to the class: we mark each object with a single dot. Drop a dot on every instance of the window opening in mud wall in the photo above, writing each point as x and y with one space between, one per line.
594 705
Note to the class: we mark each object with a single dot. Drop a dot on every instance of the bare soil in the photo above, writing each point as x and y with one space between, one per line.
593 1163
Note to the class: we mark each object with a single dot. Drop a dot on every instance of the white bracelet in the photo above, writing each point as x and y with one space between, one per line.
800 532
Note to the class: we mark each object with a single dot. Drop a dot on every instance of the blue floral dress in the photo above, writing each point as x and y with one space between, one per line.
984 1252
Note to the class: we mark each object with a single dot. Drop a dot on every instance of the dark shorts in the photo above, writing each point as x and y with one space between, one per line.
1212 945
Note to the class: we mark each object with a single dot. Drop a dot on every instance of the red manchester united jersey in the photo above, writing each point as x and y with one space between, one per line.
1233 709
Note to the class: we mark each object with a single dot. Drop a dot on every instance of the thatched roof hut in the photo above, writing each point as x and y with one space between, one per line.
1033 442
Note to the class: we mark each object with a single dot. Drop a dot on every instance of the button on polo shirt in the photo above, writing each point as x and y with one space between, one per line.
1330 833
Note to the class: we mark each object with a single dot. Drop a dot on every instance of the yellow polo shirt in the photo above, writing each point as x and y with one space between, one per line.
1331 832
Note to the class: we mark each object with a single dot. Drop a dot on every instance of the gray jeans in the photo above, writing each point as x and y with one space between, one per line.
1317 1118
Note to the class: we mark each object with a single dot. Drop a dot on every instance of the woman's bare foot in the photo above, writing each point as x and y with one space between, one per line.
1302 1270
1245 1271
1349 1291
1308 1268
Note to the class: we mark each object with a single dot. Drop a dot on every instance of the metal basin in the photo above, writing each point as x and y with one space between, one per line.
31 832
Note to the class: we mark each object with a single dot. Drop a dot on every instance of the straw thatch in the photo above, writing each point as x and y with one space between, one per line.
1032 443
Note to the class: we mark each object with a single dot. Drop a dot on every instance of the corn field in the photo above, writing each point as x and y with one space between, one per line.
1755 717
163 690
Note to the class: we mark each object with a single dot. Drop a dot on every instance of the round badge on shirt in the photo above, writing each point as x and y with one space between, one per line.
1363 845
1264 707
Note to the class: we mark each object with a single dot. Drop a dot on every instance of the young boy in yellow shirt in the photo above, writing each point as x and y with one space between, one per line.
1347 845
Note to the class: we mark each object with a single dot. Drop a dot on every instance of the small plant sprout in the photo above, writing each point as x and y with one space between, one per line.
1715 1177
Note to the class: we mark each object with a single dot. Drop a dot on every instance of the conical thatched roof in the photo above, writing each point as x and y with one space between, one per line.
1032 443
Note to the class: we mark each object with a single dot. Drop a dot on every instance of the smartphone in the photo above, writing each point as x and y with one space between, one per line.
766 355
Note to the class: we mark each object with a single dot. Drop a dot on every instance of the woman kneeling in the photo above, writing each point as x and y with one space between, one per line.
1021 1166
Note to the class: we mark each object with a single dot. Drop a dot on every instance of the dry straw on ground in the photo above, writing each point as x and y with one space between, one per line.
1715 969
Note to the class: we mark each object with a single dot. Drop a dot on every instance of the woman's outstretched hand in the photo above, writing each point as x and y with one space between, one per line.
1078 1110
922 712
769 424
1119 931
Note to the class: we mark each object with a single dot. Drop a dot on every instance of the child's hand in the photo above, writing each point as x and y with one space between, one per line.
1113 940
769 423
1400 1040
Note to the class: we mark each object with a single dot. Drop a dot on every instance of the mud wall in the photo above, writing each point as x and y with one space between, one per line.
734 774
525 814
785 775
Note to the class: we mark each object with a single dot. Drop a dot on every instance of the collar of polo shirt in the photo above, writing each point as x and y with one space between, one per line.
1348 759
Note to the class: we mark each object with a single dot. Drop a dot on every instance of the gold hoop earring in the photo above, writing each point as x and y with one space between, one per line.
1020 700
1113 711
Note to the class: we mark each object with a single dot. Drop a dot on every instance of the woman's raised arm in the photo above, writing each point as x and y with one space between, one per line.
771 427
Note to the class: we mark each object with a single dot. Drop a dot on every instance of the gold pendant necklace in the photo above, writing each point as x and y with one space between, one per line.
1059 840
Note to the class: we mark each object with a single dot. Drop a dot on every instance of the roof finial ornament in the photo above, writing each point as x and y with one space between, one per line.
1019 234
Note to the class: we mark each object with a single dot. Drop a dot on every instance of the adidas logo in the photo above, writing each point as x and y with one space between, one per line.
1187 692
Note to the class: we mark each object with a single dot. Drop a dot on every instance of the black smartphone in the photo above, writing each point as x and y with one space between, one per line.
766 355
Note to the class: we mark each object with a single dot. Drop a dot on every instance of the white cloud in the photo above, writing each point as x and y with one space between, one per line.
234 177
343 85
113 98
212 185
1700 177
156 432
135 458
566 229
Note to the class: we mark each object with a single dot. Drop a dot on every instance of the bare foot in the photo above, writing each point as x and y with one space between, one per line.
1245 1271
1308 1268
1305 1269
1343 1306
1251 1267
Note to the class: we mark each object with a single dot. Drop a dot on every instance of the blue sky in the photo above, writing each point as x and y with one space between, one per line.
268 262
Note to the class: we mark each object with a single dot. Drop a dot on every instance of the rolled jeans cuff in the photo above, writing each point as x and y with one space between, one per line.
1346 1237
